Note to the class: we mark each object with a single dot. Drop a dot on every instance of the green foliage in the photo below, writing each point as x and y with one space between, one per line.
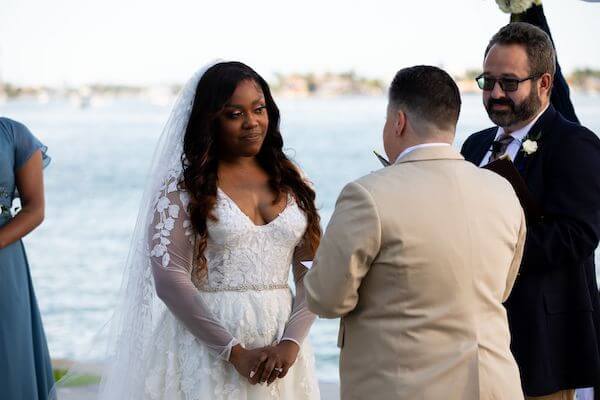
75 380
581 75
471 74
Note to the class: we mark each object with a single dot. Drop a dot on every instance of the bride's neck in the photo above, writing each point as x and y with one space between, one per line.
238 162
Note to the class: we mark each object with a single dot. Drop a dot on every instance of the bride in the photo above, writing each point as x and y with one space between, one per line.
206 311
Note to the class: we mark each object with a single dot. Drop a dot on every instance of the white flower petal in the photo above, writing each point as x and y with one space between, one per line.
165 260
172 187
163 203
158 250
530 146
169 223
515 6
156 236
174 210
185 199
165 241
165 232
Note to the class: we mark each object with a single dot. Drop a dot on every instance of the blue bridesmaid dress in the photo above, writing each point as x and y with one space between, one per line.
25 368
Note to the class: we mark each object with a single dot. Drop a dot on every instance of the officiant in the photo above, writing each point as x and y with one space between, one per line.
554 309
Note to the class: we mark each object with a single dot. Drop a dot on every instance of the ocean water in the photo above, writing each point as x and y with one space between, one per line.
94 183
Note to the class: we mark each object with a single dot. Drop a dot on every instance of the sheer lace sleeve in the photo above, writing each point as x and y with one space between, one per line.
301 318
171 244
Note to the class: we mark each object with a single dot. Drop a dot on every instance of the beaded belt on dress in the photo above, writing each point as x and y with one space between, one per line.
244 288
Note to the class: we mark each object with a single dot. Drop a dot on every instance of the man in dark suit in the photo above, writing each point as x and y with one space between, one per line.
560 97
554 309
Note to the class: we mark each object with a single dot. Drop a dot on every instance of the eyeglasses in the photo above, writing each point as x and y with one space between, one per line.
506 84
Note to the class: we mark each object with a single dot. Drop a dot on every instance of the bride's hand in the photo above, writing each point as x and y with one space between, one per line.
248 361
279 360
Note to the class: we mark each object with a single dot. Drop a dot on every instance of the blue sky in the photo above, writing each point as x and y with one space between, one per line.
150 42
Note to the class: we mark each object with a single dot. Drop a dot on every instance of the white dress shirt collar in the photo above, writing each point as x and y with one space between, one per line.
519 135
418 146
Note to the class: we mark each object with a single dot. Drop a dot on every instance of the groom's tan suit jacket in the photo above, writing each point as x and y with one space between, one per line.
417 260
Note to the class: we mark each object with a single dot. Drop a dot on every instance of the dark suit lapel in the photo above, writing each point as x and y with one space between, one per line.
524 161
483 146
530 165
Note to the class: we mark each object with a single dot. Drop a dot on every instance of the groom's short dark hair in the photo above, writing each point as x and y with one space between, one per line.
427 92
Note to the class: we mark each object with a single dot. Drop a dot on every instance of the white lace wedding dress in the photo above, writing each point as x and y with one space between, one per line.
245 299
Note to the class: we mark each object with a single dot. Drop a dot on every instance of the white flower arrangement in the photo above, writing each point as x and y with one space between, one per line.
530 146
516 6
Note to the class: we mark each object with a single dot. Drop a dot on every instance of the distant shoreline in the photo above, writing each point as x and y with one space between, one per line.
97 99
295 85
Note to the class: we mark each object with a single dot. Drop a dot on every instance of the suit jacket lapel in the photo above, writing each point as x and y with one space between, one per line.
483 146
523 161
530 166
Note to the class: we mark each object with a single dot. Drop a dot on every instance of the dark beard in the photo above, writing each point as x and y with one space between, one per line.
516 113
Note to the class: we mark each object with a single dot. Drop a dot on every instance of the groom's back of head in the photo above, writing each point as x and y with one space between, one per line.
428 94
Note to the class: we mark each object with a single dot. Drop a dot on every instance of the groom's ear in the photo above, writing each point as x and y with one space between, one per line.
400 123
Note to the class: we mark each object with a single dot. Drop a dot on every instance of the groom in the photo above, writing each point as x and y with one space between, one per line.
417 261
554 310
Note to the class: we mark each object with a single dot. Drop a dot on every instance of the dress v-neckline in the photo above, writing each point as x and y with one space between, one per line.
237 207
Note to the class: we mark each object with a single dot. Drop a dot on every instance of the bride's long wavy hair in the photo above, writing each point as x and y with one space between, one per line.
200 156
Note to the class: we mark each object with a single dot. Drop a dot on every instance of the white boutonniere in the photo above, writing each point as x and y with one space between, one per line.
530 146
516 6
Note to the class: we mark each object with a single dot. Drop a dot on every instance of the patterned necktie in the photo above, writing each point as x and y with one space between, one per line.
499 147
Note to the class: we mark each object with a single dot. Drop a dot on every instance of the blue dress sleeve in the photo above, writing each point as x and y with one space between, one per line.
25 144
